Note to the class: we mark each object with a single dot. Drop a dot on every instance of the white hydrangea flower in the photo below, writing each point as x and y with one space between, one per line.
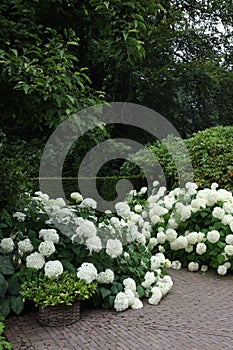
171 235
222 270
35 260
161 237
49 235
157 260
87 272
172 223
227 219
143 190
153 241
94 244
129 283
130 295
192 237
114 247
19 216
201 248
53 268
189 248
149 279
60 202
144 214
138 208
197 204
229 249
165 284
47 248
25 246
86 229
7 244
227 264
229 239
156 296
213 236
193 266
123 209
218 213
204 268
176 265
180 243
137 304
161 249
88 203
106 277
121 302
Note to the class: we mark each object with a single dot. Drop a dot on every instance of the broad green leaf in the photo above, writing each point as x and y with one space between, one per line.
6 265
17 304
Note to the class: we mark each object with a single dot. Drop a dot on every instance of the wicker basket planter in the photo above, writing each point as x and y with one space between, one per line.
59 315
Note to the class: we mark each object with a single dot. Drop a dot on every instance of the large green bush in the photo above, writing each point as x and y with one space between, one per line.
211 153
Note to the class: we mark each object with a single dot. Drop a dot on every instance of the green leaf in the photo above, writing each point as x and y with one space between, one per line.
13 286
220 259
116 287
6 265
5 306
105 292
17 304
3 285
140 291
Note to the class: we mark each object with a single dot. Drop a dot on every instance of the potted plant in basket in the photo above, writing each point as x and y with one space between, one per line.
58 297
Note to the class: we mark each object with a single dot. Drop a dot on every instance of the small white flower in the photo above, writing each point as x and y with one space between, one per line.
189 248
25 246
156 296
171 235
35 260
137 304
19 216
218 213
46 248
49 235
161 237
157 260
88 203
222 270
138 208
130 295
7 244
192 266
149 279
129 283
105 277
122 209
213 236
143 190
201 248
87 272
229 249
227 264
204 268
53 268
176 265
121 302
229 239
94 244
114 247
87 229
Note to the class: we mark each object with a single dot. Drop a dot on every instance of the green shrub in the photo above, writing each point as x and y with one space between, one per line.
211 153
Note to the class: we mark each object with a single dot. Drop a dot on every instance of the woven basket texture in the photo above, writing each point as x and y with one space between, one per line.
59 315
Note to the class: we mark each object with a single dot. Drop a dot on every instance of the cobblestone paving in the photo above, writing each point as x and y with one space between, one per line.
197 314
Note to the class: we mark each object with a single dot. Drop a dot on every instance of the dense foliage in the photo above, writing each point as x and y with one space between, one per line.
210 151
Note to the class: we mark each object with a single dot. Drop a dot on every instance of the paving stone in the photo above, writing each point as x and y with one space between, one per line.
197 314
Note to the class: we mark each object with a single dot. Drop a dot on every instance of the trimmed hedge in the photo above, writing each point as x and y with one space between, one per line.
211 153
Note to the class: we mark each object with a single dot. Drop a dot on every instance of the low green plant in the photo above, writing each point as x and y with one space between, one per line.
4 344
65 289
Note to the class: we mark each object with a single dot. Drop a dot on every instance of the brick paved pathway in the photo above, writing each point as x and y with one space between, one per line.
197 314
